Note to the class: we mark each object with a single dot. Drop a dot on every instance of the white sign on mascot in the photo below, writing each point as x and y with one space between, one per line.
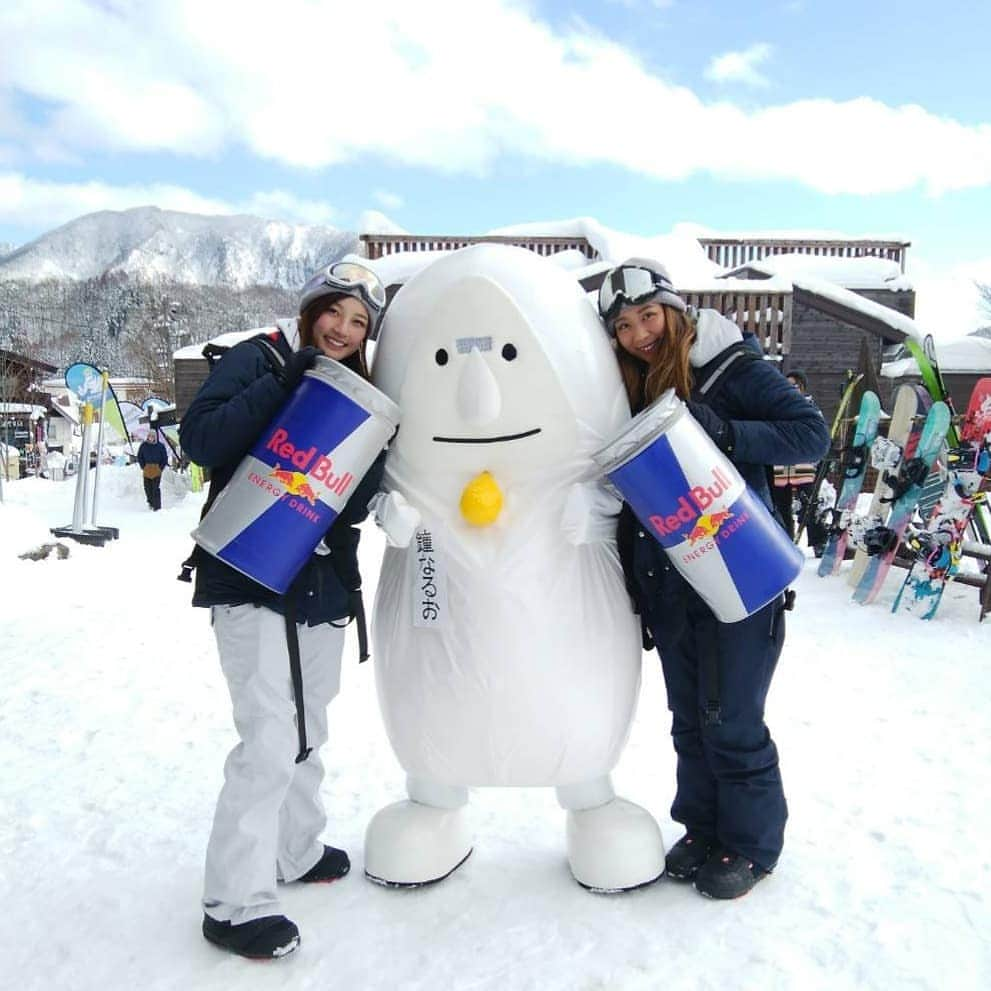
506 652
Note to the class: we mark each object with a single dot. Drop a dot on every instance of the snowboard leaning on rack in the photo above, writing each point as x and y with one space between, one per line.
906 490
938 548
925 357
811 510
911 405
853 467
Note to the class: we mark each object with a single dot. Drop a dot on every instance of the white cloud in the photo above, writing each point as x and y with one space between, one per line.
391 201
438 85
739 67
32 203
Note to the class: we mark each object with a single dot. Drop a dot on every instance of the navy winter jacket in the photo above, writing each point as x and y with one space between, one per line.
153 454
233 406
772 423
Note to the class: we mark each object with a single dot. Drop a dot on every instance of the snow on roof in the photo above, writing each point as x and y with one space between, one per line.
679 251
852 273
966 354
896 321
227 339
797 235
231 337
35 411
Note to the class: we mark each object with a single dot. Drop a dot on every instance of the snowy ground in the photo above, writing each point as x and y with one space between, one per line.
114 722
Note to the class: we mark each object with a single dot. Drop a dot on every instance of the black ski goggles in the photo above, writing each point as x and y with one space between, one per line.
628 286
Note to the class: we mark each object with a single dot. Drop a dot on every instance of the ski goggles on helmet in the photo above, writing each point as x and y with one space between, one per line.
351 278
630 285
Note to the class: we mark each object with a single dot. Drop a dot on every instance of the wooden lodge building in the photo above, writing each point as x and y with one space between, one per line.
820 327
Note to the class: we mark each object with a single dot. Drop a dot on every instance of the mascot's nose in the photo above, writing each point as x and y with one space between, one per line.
479 399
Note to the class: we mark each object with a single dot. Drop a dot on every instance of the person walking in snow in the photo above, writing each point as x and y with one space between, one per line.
153 459
269 814
729 795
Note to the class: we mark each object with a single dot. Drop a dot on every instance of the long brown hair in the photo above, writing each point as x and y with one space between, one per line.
669 366
357 361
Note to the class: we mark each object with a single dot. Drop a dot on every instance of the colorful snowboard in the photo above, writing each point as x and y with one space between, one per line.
925 357
912 403
939 547
912 477
853 464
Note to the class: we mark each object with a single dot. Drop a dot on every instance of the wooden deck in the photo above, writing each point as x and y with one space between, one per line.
731 252
379 245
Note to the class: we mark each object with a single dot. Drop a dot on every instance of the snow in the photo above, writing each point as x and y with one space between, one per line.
35 410
149 244
116 722
850 273
679 251
896 321
967 354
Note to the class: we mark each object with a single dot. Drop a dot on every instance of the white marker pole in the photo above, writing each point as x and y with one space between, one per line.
79 507
99 447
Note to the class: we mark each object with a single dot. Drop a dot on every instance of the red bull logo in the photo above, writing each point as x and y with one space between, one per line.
692 510
707 526
295 483
308 466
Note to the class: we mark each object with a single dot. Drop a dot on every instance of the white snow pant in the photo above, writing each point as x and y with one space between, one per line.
269 815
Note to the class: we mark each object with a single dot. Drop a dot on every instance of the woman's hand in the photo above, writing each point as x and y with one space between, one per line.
292 374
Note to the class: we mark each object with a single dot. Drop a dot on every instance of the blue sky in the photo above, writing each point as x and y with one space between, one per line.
462 117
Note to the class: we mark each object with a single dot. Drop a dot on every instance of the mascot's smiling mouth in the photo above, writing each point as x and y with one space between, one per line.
486 440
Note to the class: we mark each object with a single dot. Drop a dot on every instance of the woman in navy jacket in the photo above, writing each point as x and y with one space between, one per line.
729 794
269 814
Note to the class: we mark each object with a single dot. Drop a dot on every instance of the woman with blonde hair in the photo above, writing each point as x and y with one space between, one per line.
729 794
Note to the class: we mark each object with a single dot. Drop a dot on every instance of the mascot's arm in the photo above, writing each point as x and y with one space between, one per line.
590 512
395 516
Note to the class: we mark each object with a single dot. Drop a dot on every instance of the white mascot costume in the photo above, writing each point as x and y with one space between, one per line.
506 652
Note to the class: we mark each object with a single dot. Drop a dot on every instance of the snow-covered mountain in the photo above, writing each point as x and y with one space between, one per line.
6 248
146 244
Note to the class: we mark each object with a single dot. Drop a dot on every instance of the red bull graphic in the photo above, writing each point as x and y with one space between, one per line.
293 483
715 530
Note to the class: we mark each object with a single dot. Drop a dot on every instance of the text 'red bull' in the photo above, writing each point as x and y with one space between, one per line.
297 482
691 509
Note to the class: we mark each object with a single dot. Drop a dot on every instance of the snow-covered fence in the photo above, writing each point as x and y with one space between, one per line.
378 245
730 251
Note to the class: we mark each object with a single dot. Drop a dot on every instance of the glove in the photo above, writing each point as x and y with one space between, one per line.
590 512
395 516
719 431
300 360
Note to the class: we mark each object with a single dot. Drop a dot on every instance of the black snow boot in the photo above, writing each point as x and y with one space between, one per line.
727 875
332 865
260 939
687 855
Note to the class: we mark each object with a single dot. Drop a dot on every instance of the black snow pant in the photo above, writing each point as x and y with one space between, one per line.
728 782
784 498
153 492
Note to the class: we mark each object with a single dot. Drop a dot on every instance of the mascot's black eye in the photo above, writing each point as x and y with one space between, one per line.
508 352
441 356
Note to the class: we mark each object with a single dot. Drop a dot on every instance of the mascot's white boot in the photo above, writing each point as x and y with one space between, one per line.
613 845
419 841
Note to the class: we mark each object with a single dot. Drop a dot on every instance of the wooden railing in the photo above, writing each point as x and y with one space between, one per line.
378 245
731 252
767 315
